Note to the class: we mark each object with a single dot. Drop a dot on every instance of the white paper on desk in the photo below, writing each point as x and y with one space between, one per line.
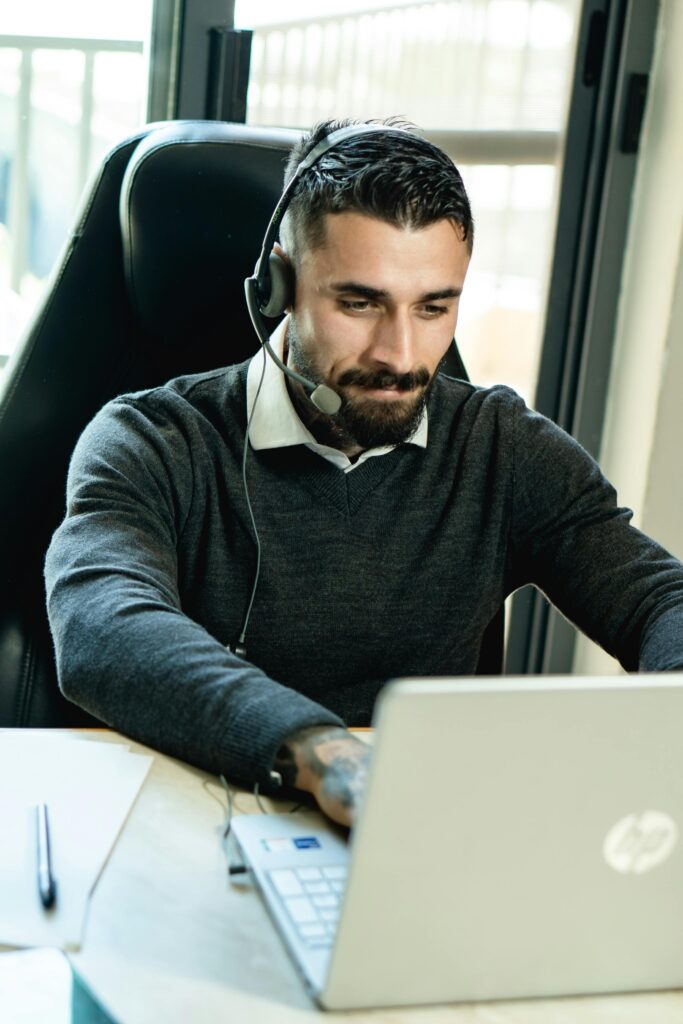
35 985
89 788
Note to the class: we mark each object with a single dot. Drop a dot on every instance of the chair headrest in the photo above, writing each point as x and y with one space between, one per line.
195 202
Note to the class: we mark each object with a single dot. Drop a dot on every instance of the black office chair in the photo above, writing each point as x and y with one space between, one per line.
150 285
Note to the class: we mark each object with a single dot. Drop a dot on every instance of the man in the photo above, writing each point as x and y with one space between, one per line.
391 531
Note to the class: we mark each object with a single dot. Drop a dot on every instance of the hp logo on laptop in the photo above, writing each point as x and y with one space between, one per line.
640 842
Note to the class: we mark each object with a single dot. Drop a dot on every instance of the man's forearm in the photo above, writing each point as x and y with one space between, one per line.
329 763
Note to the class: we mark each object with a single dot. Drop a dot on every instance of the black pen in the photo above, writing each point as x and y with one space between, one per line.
47 887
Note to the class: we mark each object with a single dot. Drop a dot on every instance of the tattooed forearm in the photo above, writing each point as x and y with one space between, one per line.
341 764
328 762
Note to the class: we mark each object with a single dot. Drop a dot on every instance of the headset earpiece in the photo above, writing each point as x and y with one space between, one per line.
281 286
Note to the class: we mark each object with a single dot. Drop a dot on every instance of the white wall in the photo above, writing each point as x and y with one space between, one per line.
641 451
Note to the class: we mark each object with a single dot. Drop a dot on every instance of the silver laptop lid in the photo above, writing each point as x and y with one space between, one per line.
519 837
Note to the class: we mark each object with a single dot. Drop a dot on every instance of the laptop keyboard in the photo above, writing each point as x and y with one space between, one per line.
312 898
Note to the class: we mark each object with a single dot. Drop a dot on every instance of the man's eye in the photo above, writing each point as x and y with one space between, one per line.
355 305
431 310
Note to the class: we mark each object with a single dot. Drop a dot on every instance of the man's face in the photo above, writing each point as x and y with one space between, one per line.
375 311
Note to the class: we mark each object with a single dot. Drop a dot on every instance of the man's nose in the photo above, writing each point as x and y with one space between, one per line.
393 343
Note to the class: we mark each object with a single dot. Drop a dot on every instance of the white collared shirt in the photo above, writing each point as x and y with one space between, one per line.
275 423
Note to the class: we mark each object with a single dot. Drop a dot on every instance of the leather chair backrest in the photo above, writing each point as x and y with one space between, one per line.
130 304
149 286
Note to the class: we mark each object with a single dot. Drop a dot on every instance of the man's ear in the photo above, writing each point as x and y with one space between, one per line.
281 273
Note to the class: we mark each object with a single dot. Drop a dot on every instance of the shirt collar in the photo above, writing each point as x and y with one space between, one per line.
274 420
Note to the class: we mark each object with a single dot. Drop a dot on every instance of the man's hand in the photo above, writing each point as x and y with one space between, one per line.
330 763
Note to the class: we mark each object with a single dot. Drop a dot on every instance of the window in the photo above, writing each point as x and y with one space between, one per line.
487 80
72 84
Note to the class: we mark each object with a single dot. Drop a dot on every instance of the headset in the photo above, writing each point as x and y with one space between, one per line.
269 290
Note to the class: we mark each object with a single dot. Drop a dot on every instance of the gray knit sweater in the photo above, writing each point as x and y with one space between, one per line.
393 569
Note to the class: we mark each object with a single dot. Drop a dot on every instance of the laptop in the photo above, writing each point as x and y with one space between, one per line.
518 838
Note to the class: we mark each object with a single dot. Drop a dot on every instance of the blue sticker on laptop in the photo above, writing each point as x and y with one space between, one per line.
281 844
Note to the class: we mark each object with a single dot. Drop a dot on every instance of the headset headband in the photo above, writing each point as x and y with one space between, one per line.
261 271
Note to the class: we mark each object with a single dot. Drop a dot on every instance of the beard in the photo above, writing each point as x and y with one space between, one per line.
363 422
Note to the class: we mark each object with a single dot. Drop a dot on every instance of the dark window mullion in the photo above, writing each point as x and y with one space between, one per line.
199 67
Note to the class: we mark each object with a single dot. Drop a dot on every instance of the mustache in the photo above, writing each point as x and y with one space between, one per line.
384 379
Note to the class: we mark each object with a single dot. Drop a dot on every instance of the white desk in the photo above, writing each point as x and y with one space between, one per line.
168 938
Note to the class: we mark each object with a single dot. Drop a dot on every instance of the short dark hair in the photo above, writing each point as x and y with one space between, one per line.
398 177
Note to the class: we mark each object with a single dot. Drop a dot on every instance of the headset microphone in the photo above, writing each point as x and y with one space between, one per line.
322 396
